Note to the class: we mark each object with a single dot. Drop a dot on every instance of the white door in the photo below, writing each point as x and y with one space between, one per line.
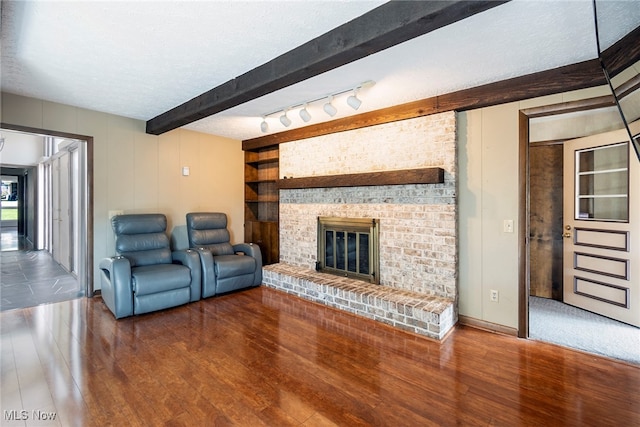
61 211
602 226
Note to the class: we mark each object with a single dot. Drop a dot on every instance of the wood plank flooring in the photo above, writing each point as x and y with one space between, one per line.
263 358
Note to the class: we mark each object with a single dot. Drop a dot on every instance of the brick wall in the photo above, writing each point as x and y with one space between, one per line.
418 240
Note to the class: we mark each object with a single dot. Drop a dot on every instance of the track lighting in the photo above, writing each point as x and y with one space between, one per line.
304 114
329 108
353 101
285 120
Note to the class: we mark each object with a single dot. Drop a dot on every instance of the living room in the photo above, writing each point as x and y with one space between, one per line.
132 171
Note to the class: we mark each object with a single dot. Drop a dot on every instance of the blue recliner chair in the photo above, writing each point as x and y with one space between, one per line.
225 267
146 275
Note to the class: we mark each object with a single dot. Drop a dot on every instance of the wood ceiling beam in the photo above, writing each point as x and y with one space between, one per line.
567 78
618 57
387 25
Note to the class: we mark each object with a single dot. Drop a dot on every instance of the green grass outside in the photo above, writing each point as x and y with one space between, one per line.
9 214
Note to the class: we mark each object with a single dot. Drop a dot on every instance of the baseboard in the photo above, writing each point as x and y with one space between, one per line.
487 326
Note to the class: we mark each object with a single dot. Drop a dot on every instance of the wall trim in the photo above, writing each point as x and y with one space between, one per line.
486 326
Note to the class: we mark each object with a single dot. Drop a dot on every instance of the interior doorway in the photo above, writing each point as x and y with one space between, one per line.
49 258
545 132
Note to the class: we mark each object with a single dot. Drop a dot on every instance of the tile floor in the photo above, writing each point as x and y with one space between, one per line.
29 278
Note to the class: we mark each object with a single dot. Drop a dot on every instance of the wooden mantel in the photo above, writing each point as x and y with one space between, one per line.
397 177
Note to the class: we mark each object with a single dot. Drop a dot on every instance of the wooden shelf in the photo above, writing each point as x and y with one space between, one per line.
263 161
397 177
262 200
261 181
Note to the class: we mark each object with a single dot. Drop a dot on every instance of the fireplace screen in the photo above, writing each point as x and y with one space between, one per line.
348 247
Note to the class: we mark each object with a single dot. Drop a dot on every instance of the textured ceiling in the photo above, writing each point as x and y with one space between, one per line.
141 58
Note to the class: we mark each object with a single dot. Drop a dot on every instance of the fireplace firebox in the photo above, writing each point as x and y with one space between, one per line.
349 247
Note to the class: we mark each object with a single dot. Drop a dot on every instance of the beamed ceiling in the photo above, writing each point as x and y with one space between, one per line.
219 66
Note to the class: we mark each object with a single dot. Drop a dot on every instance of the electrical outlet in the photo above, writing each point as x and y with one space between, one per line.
493 295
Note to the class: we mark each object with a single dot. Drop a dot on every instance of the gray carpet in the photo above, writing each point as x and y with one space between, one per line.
558 323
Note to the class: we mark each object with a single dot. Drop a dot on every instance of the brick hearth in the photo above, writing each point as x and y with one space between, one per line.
427 315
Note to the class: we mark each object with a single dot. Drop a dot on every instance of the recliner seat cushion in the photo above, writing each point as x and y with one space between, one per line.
152 279
233 265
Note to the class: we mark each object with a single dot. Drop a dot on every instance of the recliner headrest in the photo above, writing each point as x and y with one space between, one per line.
206 220
142 239
139 223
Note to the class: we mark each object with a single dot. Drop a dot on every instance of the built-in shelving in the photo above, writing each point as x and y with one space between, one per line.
261 201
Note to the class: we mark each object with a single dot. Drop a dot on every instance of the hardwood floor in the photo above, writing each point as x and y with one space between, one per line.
261 357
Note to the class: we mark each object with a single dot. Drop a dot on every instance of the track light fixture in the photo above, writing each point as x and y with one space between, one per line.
285 120
353 101
304 114
329 108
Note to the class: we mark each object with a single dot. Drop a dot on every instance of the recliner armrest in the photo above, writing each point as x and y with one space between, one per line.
208 272
115 279
249 249
190 258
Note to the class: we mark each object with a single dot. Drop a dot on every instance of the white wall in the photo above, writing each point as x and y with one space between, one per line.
21 149
136 172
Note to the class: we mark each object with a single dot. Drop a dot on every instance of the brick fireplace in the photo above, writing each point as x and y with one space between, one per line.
417 222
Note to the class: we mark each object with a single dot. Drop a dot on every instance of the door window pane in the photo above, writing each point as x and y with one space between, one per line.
602 183
604 158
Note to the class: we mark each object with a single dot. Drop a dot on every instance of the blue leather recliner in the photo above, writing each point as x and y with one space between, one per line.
225 267
146 275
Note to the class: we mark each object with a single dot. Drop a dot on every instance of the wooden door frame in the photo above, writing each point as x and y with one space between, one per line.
89 288
524 261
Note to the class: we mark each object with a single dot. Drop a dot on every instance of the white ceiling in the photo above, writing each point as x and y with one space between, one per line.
140 58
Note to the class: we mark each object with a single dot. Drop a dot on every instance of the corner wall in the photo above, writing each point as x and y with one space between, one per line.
138 173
